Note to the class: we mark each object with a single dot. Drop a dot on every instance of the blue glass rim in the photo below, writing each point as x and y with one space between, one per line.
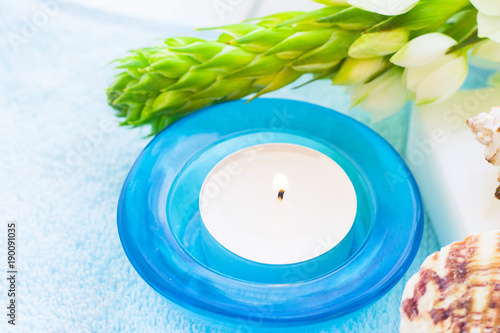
383 259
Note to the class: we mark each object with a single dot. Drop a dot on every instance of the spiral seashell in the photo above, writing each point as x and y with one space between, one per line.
497 193
486 128
456 290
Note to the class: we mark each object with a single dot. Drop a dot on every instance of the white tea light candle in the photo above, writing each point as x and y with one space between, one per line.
278 203
164 234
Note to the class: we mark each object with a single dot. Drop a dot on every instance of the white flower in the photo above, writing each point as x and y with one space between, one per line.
489 26
488 18
383 96
437 81
423 50
384 7
490 7
488 50
415 75
485 54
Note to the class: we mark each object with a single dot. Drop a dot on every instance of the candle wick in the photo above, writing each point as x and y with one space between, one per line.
281 193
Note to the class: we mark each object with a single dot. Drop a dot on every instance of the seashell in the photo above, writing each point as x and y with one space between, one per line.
486 128
456 290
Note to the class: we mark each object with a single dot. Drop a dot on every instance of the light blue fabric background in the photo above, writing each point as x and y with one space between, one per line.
62 166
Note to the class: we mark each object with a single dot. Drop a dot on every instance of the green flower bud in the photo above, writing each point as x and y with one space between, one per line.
260 41
121 82
195 104
378 44
144 112
286 76
162 53
325 74
311 20
263 81
236 30
151 82
194 80
312 67
355 71
221 88
138 60
132 103
182 41
229 60
173 66
261 66
272 21
328 54
170 100
240 93
133 72
201 51
299 43
354 18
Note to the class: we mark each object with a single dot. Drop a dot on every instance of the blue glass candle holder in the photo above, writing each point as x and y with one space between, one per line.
166 241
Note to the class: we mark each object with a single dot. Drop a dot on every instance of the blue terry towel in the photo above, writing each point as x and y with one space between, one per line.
63 160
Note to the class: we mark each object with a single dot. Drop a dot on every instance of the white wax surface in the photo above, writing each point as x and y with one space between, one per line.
240 207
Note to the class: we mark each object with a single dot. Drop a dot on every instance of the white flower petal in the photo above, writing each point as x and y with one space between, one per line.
490 7
488 49
384 7
483 63
415 75
383 96
443 82
494 79
423 50
489 26
332 2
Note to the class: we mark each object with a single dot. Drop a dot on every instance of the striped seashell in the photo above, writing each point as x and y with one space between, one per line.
456 289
